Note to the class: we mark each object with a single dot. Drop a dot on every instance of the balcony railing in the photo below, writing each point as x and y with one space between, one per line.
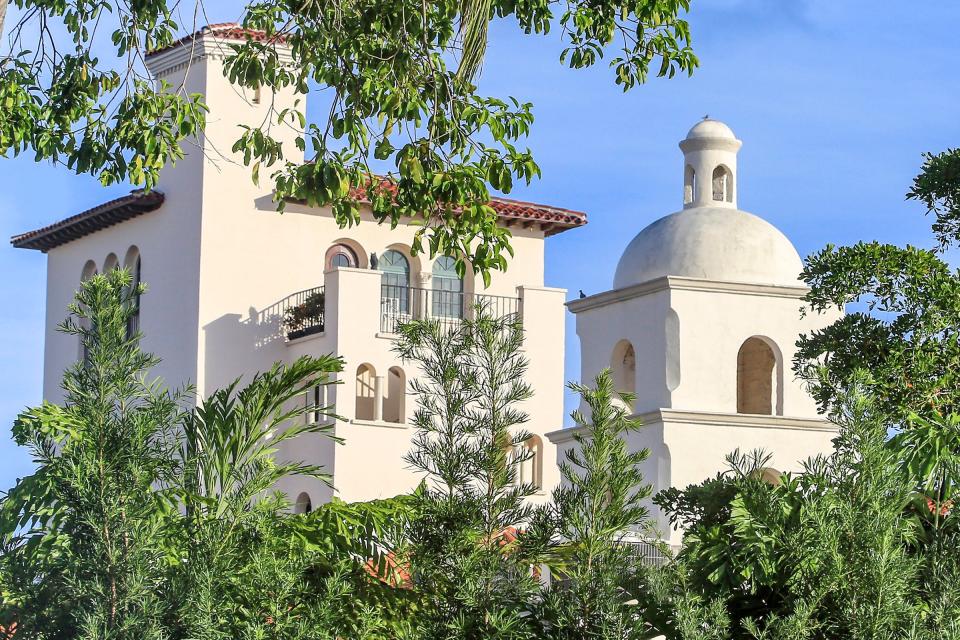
400 304
301 314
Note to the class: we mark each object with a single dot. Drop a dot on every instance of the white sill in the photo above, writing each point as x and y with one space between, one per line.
379 423
386 336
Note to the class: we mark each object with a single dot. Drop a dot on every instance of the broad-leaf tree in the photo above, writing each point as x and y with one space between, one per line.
397 78
907 338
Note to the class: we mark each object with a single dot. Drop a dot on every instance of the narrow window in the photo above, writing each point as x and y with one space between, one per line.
314 403
256 95
722 185
623 366
689 185
447 289
366 392
756 370
530 466
303 505
89 270
395 290
133 322
394 405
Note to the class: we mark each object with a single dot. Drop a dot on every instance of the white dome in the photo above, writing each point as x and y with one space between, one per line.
708 128
715 243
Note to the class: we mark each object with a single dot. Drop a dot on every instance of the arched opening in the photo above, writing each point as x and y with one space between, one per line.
89 270
722 184
757 377
366 392
132 263
771 476
303 505
394 403
689 184
396 303
530 467
110 263
447 289
341 255
623 367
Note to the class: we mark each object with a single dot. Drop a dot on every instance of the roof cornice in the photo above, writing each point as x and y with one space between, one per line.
90 221
210 42
682 283
713 419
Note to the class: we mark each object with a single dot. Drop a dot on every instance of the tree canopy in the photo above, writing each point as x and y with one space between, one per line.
399 77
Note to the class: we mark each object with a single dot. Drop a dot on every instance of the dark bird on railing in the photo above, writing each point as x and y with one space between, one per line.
373 260
582 294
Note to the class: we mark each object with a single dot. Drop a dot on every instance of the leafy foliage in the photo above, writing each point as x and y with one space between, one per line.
400 79
148 517
830 553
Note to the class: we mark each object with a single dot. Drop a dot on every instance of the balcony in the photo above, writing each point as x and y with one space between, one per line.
399 304
302 313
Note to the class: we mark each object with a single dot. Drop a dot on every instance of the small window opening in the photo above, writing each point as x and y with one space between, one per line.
689 185
303 505
722 185
366 392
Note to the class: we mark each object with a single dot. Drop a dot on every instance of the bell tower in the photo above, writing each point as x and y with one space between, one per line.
701 326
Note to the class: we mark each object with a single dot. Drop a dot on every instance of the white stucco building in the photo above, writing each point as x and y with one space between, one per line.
701 324
224 269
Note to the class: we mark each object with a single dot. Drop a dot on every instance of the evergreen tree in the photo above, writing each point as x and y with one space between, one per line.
83 546
598 506
469 554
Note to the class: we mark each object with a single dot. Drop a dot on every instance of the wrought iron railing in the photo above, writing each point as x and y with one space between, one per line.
645 552
399 304
302 313
633 559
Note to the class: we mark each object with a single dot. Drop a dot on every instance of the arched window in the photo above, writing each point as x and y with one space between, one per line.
303 505
756 377
770 476
623 366
396 281
89 270
340 255
366 392
394 405
722 184
530 466
110 263
133 264
447 289
689 185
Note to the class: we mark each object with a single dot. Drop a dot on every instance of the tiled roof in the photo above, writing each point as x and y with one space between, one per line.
552 220
89 221
225 31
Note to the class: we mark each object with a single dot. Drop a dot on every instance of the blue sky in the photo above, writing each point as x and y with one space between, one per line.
835 103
